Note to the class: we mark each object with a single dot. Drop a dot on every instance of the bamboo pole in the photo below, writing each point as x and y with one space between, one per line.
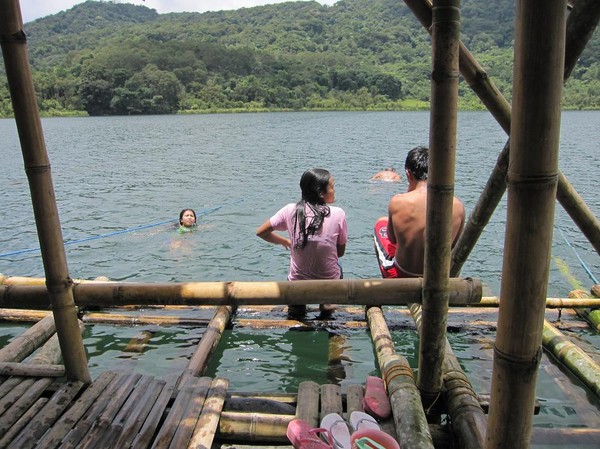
573 357
37 167
23 345
467 416
532 181
412 430
592 316
581 23
339 291
209 341
445 32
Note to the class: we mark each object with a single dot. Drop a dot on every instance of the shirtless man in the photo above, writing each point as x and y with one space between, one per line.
401 252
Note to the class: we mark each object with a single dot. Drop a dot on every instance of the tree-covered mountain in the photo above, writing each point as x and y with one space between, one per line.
118 58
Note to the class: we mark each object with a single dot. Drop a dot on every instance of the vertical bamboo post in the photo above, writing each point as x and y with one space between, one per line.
532 181
37 167
440 194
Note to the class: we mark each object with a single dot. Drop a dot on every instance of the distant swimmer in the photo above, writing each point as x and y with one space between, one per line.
388 174
187 220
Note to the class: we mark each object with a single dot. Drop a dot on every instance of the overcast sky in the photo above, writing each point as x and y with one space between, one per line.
34 9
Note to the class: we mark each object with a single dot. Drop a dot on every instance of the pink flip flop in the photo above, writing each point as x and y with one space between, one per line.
362 420
302 436
373 439
376 401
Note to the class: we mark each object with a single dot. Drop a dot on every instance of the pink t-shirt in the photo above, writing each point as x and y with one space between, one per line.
318 259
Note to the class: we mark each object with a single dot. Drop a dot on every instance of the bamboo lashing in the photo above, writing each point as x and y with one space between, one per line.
340 291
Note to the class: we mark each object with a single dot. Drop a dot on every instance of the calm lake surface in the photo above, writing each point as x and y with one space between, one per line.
120 183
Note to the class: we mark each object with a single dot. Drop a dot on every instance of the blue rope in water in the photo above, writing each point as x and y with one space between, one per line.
585 267
111 234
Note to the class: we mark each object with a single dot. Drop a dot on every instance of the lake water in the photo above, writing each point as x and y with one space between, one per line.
120 183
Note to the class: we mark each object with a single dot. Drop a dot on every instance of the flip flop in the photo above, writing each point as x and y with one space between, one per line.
338 429
373 439
362 420
376 401
302 436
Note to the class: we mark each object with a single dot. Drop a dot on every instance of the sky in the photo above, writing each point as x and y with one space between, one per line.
34 9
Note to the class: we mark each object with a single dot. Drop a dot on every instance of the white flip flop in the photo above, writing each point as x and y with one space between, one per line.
362 421
338 430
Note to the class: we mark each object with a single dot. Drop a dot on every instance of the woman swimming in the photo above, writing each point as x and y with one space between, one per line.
187 220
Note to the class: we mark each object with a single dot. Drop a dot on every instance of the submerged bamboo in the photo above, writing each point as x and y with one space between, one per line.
573 357
412 429
342 291
445 31
23 345
467 416
37 167
532 181
208 342
592 316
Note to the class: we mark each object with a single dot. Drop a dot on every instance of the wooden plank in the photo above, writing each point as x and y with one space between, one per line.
11 390
208 423
23 402
22 422
354 398
79 431
331 399
188 421
169 426
104 420
144 437
31 369
116 427
308 403
139 414
48 416
66 422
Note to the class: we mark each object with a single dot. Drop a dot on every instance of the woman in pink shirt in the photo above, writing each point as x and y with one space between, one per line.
317 232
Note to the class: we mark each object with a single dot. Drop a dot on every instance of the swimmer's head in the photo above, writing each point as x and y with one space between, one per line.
187 218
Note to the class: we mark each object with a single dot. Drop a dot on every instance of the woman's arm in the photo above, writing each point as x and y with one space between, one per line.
341 250
265 232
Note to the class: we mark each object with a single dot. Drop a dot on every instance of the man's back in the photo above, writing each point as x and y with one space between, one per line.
407 222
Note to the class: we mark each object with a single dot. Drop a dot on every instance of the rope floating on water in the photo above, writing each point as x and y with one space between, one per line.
112 234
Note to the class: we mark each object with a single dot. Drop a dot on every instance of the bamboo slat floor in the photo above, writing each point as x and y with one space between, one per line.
119 410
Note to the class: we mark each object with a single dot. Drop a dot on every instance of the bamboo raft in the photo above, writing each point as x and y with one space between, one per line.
48 398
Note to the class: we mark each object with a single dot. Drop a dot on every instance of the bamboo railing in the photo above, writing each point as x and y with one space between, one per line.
445 31
343 291
37 167
532 182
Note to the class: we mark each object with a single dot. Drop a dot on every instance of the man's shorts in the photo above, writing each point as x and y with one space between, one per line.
384 249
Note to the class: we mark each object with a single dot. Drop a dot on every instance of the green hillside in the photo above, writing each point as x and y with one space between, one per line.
107 58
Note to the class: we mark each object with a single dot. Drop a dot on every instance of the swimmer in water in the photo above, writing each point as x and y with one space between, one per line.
187 220
388 175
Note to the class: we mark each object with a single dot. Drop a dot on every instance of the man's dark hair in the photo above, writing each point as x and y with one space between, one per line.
417 162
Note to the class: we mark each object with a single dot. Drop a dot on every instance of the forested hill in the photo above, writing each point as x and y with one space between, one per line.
117 58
